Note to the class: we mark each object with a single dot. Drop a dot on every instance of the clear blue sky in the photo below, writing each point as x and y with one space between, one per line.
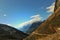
15 12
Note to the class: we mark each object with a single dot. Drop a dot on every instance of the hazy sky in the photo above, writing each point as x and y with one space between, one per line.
15 12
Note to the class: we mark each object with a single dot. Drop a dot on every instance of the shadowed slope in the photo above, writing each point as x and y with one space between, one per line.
9 33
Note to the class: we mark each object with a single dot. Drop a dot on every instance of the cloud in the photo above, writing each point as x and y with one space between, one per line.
34 18
4 15
51 7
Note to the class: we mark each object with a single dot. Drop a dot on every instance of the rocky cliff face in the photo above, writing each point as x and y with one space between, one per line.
57 4
49 30
9 33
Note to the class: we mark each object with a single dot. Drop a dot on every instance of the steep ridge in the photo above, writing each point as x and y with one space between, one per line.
51 24
9 33
49 30
30 25
57 4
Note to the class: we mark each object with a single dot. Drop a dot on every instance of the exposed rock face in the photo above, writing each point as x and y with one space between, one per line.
50 29
57 4
9 33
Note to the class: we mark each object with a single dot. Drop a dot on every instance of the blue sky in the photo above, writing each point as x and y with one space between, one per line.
15 12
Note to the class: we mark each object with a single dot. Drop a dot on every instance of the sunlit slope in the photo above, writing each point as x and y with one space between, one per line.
48 29
51 24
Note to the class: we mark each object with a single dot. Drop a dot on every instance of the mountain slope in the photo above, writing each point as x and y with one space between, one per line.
9 33
48 29
33 27
29 28
29 24
25 28
51 24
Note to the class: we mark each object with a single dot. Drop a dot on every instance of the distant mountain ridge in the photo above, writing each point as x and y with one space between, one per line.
29 28
34 26
24 28
10 33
